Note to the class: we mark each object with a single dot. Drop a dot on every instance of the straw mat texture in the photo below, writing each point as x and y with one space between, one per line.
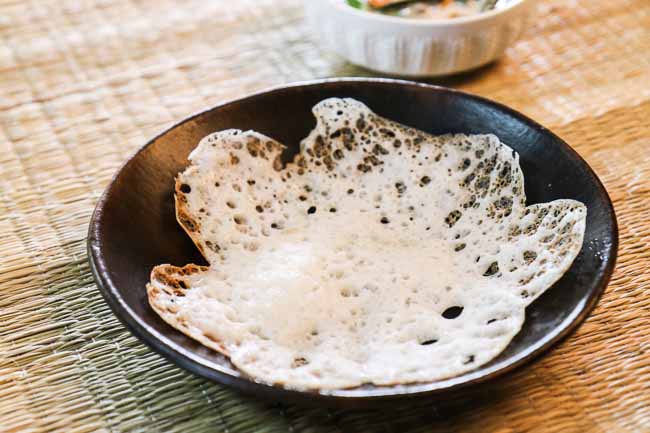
84 83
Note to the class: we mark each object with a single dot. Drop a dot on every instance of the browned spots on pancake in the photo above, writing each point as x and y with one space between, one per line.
215 247
299 362
321 147
364 168
277 163
254 146
329 162
160 273
189 269
178 190
172 285
172 278
187 221
180 196
300 161
379 150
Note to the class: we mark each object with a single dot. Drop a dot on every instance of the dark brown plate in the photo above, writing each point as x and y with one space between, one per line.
134 228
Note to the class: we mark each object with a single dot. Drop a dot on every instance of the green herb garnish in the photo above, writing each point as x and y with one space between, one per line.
357 4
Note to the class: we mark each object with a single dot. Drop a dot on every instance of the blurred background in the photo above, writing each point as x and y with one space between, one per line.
83 84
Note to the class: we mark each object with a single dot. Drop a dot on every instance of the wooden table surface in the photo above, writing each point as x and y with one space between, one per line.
84 83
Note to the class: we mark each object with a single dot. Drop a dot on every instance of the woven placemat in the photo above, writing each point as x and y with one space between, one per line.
83 84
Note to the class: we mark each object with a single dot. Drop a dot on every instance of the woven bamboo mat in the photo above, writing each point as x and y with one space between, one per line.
83 83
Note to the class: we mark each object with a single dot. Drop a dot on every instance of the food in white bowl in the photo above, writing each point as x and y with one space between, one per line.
413 47
380 254
431 9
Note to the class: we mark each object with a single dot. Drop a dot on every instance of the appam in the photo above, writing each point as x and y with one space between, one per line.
380 255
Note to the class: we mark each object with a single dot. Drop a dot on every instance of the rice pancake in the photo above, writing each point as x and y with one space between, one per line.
379 255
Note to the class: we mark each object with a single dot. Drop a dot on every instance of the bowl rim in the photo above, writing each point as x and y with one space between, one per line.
343 7
195 364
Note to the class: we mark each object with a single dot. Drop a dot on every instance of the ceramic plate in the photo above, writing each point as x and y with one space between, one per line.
134 228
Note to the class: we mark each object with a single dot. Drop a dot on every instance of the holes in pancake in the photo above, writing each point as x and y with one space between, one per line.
332 209
469 360
231 204
428 342
311 210
384 220
239 219
213 246
185 188
299 361
452 312
492 269
529 256
453 218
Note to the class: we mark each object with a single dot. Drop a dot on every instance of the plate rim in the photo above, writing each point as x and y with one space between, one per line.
183 358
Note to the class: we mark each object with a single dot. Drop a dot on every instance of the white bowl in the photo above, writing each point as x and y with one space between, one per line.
416 47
